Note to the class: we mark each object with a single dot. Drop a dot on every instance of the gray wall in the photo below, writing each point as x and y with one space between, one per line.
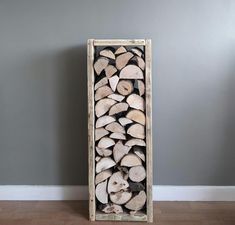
43 115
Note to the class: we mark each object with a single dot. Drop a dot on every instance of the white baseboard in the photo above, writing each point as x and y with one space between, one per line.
160 193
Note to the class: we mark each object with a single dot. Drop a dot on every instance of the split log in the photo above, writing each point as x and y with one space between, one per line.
137 51
118 136
104 164
104 120
135 101
107 53
100 65
102 176
135 141
104 151
120 197
137 202
115 127
136 116
101 83
103 106
113 81
137 173
103 92
117 183
125 87
123 59
124 121
139 84
112 208
119 150
110 70
106 142
97 158
101 193
131 72
116 97
100 132
131 160
120 50
140 62
138 151
117 108
136 131
136 187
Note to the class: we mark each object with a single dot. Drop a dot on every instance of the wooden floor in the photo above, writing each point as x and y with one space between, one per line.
76 213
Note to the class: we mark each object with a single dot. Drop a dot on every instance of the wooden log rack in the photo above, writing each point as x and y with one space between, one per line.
120 130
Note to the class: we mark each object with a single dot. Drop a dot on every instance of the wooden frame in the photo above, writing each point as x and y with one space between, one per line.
93 214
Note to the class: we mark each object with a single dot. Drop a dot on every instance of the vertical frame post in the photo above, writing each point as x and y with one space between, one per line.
91 124
148 99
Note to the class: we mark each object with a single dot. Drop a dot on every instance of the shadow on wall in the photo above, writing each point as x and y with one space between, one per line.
72 116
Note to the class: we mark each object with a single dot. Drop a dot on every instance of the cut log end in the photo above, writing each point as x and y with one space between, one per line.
137 202
137 131
100 64
131 72
107 53
125 87
110 70
123 59
103 106
135 101
101 192
135 141
103 92
104 164
131 160
137 173
119 150
120 50
137 116
117 108
115 127
104 120
113 81
105 142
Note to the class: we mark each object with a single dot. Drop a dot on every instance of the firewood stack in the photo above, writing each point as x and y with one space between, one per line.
120 137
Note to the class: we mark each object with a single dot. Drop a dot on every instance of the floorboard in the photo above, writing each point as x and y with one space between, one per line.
76 212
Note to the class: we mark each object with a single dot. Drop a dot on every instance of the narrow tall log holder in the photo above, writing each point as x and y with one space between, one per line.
120 130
